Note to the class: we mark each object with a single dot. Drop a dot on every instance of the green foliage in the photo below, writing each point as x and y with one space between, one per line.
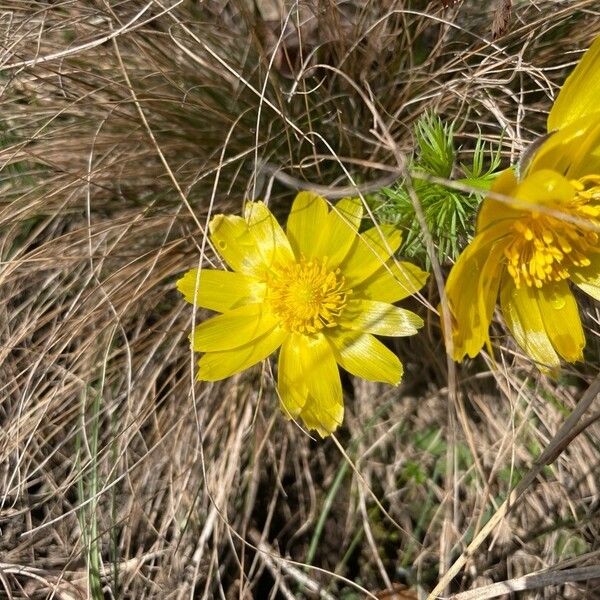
413 472
570 545
449 212
435 140
88 491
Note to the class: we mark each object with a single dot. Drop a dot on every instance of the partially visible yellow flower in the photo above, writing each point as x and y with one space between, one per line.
529 249
318 292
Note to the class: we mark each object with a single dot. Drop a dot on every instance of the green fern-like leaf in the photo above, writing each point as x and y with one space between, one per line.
435 143
449 212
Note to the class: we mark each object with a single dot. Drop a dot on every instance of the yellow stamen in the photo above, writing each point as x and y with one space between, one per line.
545 248
307 296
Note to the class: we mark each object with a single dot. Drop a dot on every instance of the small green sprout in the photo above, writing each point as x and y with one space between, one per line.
449 206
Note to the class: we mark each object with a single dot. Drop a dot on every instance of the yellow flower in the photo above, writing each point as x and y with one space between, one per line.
318 292
527 249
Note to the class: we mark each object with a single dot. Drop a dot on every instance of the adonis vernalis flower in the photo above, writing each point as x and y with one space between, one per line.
318 292
544 237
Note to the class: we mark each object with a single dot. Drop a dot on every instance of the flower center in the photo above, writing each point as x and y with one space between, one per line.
546 248
306 296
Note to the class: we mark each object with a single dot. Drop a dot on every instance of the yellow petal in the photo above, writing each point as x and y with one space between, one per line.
472 289
232 240
572 151
585 158
320 369
543 188
579 94
521 313
588 278
323 419
369 252
492 212
340 230
293 392
379 318
233 329
393 281
220 290
561 320
365 356
306 222
591 288
214 366
323 410
268 235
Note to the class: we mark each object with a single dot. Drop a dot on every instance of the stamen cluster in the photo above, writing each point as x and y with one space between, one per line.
306 296
546 247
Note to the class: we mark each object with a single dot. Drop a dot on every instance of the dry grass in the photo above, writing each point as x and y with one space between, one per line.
125 125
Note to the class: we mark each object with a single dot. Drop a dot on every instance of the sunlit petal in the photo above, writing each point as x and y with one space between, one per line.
392 282
220 290
579 94
561 320
290 382
493 211
365 356
232 329
591 287
306 223
322 379
269 238
544 188
588 278
322 418
340 230
585 158
214 366
232 240
572 151
521 312
379 318
472 289
369 252
309 383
